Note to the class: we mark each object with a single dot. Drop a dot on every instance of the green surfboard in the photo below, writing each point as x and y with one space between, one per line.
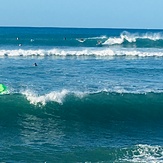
3 88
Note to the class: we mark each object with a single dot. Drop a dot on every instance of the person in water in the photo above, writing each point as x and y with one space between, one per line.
35 64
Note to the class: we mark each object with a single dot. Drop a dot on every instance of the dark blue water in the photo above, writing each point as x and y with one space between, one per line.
96 95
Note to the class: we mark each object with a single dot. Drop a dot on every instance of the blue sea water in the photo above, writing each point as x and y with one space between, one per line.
96 95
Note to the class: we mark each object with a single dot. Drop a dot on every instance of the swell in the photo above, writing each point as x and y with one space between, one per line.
122 41
100 106
148 39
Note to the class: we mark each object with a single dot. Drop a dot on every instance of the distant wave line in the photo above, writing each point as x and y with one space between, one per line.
96 52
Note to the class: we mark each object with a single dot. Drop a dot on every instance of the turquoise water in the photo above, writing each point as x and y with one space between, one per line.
96 95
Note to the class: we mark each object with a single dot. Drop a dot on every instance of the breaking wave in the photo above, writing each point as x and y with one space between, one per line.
88 52
139 40
144 153
100 106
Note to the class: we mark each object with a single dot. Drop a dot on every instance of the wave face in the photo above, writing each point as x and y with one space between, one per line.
102 106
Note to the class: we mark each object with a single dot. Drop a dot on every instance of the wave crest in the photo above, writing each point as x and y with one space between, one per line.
87 52
43 99
100 106
132 38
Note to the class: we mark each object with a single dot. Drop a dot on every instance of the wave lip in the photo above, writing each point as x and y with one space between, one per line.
43 99
119 40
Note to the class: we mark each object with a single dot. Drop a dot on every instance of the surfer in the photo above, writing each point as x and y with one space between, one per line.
35 64
80 40
99 43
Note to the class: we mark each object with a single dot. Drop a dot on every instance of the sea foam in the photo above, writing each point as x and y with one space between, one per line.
145 153
126 36
88 52
54 96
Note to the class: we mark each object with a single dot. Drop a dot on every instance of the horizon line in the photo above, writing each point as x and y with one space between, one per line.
132 28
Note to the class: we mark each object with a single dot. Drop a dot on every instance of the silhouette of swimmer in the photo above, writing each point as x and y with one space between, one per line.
35 64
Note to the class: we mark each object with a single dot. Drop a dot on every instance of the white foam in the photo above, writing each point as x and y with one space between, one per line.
153 36
126 36
91 38
96 38
57 52
96 52
139 53
55 96
146 153
119 40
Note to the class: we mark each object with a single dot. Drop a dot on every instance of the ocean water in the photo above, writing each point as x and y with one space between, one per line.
96 95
